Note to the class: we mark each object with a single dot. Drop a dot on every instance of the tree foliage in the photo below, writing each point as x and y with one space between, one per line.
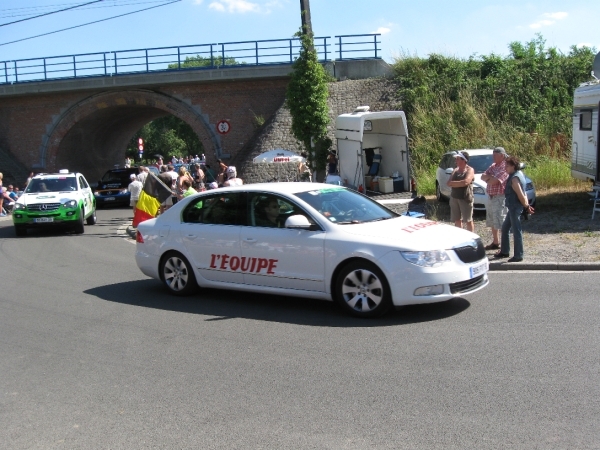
523 100
306 98
167 136
202 61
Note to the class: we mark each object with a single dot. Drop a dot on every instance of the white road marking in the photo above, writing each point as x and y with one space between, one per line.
122 230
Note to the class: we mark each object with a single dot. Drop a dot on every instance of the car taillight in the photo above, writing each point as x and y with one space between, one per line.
138 237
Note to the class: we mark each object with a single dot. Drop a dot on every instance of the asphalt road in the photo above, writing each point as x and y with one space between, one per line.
94 355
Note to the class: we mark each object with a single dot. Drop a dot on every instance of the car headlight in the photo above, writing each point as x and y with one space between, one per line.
70 204
124 191
478 190
20 206
432 258
529 186
96 194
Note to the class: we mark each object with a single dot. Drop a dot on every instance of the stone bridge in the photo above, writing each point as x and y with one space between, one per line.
85 124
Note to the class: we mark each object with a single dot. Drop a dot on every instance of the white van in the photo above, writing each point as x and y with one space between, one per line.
585 151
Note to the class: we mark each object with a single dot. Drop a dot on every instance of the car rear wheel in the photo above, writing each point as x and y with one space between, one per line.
177 274
362 290
20 230
91 220
438 193
79 225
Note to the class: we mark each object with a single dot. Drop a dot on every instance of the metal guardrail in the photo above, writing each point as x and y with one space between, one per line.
188 57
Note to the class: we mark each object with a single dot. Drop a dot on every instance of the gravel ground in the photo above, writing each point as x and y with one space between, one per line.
561 230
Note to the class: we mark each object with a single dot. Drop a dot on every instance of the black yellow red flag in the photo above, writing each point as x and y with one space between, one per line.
155 192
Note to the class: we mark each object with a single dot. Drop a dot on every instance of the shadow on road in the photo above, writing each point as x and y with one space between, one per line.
98 230
224 305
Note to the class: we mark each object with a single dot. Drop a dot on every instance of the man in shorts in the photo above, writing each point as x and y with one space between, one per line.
495 177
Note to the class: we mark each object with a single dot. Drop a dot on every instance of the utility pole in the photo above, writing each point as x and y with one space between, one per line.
305 14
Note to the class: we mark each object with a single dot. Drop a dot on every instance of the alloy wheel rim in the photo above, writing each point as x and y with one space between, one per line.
176 274
362 290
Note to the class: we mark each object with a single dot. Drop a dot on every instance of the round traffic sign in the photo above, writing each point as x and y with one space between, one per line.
223 127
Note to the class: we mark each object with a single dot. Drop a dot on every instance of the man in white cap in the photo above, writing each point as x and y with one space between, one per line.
495 177
232 179
134 188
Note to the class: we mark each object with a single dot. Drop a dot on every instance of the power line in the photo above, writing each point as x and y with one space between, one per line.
113 5
52 12
89 23
57 5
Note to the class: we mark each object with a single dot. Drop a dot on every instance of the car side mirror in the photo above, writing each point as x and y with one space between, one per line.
299 222
449 171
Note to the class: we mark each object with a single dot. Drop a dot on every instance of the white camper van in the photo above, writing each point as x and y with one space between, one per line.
373 144
585 152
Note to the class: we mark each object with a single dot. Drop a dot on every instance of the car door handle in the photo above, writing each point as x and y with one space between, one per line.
250 240
191 236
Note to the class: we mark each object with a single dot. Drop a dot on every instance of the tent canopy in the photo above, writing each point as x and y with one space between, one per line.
278 155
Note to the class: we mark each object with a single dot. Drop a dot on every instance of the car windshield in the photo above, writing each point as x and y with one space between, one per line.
116 177
340 205
480 163
58 184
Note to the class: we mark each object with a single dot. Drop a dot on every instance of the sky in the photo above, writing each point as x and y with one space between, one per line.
461 28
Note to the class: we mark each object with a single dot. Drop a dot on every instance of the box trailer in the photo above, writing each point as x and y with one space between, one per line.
373 144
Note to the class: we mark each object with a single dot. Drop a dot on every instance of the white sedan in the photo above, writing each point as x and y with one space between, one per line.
480 160
309 240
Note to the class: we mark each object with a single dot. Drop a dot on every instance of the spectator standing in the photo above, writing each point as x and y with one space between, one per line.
221 173
11 193
495 177
182 175
332 164
2 214
461 196
143 173
171 172
232 179
516 203
187 188
134 188
127 162
303 170
31 175
198 178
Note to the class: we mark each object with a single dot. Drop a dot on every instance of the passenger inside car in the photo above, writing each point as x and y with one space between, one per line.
267 213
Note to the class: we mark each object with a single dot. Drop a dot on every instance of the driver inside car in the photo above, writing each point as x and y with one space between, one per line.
267 213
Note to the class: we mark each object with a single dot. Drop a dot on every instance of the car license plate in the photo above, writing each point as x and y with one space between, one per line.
43 219
109 199
479 269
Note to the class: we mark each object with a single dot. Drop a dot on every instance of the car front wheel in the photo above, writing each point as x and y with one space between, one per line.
91 220
362 290
79 229
177 274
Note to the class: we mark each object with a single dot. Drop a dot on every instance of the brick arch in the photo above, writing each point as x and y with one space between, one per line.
91 135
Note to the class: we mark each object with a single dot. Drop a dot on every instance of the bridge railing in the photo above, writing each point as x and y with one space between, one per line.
202 56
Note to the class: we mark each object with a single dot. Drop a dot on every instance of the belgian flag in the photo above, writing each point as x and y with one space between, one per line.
155 191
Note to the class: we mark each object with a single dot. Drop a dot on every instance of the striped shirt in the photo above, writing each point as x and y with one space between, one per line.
498 171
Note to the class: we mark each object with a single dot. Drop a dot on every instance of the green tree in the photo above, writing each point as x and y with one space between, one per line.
168 136
306 98
202 61
523 101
